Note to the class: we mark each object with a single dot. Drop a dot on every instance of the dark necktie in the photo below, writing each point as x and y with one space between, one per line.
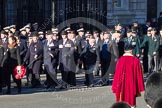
104 50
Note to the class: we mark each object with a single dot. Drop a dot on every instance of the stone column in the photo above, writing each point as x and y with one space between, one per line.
53 13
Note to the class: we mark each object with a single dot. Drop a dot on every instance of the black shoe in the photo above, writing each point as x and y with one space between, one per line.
36 85
48 86
33 86
91 85
8 92
85 82
0 90
19 91
51 88
39 86
27 84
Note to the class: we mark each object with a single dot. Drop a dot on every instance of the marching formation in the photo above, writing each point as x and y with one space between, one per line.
73 51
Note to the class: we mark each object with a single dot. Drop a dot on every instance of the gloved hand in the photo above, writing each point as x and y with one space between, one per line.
36 57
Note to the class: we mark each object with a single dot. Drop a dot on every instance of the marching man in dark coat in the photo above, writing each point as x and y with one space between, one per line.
72 37
106 58
66 58
22 45
90 57
1 58
50 51
35 54
3 39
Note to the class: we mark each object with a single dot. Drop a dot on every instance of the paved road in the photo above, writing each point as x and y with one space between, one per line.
97 97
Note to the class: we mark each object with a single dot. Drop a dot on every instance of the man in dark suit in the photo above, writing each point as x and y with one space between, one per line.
98 43
1 58
90 57
114 51
105 57
72 36
50 59
35 54
4 39
22 46
66 59
81 42
120 43
3 50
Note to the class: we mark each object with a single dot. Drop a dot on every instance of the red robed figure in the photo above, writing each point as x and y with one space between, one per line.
128 80
19 72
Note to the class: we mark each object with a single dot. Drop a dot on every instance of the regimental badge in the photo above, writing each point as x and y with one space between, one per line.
51 44
155 40
60 46
68 45
133 43
75 47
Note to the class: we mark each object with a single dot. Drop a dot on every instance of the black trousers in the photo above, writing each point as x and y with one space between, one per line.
29 75
35 80
69 77
104 67
105 64
1 79
7 79
89 79
50 80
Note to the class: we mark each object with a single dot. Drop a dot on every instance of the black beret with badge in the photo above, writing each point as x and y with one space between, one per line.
63 33
34 34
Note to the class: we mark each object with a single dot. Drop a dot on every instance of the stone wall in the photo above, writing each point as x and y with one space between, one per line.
126 11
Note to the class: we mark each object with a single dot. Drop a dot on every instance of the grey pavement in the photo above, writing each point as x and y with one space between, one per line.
96 97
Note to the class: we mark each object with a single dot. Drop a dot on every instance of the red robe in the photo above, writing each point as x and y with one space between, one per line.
128 80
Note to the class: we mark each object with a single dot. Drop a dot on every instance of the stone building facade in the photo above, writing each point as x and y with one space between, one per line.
107 12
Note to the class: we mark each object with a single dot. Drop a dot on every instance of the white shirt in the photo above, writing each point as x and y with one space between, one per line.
64 41
97 39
